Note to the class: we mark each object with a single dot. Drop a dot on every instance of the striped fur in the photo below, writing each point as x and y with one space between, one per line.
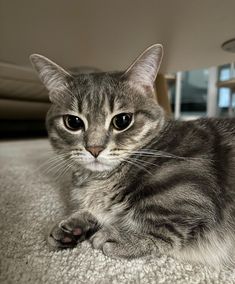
163 187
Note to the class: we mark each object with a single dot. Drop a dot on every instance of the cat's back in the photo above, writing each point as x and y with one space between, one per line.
213 140
203 150
223 127
220 135
201 132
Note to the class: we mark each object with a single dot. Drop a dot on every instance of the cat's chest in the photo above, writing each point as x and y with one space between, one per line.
96 196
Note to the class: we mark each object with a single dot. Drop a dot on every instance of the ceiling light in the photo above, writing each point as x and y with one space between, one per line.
229 45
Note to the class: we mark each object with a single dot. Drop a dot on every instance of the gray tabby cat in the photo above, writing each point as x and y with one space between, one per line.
142 184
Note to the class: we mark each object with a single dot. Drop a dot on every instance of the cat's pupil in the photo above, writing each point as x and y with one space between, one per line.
73 122
122 121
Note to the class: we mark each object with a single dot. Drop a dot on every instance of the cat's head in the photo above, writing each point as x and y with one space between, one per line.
98 120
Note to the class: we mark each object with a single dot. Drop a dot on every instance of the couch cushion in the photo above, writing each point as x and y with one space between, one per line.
17 109
21 83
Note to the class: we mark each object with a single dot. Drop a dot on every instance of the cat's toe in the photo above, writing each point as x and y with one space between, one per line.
106 245
77 232
60 239
70 229
109 249
99 239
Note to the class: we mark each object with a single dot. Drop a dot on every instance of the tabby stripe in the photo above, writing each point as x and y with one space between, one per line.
197 230
176 180
146 113
170 228
161 212
162 237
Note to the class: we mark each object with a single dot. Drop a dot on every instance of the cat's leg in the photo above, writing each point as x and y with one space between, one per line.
72 230
121 244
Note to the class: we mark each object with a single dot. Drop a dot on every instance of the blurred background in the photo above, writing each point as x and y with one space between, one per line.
197 73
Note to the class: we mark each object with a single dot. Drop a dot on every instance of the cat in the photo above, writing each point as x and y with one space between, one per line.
142 182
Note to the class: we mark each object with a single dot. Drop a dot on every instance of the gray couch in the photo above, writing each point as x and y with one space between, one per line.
23 102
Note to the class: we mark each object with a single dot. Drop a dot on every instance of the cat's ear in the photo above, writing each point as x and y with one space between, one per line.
143 71
52 75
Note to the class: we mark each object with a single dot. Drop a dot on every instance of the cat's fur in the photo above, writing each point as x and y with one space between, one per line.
161 186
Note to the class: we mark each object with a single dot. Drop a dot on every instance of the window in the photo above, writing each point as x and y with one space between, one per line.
224 94
194 93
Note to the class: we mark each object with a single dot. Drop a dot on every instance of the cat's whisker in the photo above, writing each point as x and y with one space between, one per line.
50 161
159 154
138 160
135 163
63 171
54 167
146 162
60 169
167 153
49 164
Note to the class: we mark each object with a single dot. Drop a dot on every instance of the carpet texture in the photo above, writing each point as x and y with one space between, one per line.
30 201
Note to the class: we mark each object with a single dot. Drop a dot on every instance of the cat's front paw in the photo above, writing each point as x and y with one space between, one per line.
119 244
63 236
99 239
104 241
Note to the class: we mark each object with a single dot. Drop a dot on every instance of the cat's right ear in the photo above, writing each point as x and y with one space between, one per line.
52 75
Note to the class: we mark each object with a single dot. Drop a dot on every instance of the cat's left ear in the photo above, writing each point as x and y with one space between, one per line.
52 75
144 69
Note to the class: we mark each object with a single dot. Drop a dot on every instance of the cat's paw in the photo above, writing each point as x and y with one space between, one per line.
103 241
116 244
65 235
100 238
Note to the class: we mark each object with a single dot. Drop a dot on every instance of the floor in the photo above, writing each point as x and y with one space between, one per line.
31 200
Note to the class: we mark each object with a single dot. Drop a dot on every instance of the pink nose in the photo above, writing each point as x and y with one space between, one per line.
95 150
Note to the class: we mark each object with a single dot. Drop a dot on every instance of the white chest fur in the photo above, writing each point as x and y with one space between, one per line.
95 196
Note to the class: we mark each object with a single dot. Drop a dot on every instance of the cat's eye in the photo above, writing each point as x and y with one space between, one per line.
73 122
122 121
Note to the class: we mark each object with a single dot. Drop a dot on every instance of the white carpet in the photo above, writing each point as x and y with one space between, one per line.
29 202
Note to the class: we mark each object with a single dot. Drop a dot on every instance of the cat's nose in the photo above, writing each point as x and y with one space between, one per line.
95 150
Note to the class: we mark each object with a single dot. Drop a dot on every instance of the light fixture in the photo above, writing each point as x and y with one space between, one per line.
229 45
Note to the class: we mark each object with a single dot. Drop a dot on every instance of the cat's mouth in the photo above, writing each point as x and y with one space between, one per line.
98 166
